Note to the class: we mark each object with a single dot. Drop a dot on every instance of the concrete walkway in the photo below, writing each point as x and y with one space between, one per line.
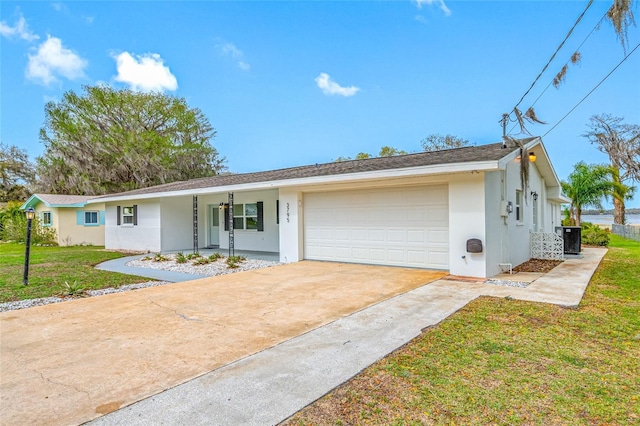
120 265
268 385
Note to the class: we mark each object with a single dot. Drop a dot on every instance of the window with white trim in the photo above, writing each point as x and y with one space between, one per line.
127 215
46 219
245 216
91 218
519 211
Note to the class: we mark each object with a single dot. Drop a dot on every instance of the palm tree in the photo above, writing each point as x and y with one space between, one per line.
587 186
621 142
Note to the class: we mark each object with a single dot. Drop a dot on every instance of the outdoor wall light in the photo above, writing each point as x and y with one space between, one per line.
221 205
534 194
30 213
532 157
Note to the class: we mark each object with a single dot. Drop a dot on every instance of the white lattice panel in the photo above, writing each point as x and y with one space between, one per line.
547 245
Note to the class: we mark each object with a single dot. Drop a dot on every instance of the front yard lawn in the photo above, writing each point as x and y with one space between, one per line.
501 361
50 267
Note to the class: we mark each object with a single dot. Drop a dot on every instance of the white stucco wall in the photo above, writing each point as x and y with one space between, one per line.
519 241
145 236
176 223
495 223
251 239
466 220
291 225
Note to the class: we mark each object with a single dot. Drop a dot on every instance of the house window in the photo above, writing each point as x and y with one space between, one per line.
91 218
245 216
127 215
519 212
46 219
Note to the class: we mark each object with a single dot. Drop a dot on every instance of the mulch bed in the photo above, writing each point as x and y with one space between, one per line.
537 265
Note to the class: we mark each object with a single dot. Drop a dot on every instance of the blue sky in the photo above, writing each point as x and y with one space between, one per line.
293 83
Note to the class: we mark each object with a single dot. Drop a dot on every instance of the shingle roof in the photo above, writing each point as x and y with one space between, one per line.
492 152
60 199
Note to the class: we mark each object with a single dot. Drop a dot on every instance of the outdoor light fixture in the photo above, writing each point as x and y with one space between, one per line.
534 194
532 157
30 213
221 205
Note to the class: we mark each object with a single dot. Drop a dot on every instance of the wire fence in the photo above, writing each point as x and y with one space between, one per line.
631 232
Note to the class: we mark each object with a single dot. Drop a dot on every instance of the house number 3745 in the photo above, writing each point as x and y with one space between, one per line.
288 213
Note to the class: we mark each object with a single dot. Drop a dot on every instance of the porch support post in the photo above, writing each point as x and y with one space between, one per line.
195 223
232 250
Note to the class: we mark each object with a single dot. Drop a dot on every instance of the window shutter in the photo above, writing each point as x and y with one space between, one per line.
118 213
225 210
260 206
135 214
101 213
278 212
79 217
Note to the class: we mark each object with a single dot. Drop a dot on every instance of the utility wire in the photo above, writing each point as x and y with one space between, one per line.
554 54
592 90
566 63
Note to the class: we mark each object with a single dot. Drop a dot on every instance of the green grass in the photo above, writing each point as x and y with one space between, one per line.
501 361
50 267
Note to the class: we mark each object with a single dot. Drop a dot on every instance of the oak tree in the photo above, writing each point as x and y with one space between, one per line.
107 140
621 142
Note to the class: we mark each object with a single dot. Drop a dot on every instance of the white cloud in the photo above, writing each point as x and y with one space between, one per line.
440 3
52 60
229 49
144 73
329 87
20 29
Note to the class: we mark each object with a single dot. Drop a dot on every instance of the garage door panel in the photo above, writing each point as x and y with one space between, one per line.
343 235
439 236
439 258
359 253
378 254
416 236
392 226
396 235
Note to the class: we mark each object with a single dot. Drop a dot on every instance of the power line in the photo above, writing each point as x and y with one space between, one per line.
595 27
592 90
554 53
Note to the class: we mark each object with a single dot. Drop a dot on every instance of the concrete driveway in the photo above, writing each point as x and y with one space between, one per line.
70 362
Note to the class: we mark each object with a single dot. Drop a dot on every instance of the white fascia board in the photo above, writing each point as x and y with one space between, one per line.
480 166
544 166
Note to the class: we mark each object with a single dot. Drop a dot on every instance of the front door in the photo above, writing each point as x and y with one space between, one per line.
214 228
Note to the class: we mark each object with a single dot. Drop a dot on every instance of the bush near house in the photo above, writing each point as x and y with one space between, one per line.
593 235
13 226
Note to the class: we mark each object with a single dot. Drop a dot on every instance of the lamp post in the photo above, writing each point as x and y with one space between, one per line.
30 213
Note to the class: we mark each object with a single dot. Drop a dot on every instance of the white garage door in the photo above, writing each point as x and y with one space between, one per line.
389 226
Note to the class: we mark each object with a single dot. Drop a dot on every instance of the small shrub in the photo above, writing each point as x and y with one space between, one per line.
146 258
74 289
233 261
215 256
192 256
160 258
180 258
593 235
201 261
